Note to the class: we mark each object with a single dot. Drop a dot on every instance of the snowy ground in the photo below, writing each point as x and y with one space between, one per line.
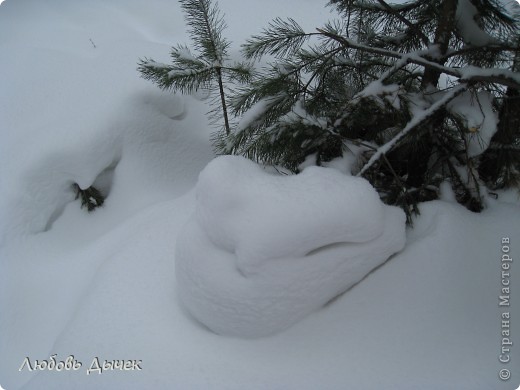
73 109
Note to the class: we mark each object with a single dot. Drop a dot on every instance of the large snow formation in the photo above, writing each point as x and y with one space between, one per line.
263 251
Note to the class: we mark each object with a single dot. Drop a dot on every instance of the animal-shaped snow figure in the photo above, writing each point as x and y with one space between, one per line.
262 251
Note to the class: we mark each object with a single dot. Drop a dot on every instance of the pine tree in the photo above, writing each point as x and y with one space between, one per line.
500 164
410 89
210 64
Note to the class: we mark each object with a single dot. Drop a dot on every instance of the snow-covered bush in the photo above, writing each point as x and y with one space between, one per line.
263 251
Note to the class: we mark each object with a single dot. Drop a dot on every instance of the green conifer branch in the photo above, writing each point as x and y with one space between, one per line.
209 68
282 38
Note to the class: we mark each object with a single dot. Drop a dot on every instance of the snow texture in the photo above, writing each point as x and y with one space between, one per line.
263 251
103 283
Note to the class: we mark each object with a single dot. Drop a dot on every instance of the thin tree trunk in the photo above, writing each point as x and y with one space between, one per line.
445 27
223 99
218 68
419 159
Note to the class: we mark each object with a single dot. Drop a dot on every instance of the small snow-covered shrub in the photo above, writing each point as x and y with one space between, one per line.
91 197
263 251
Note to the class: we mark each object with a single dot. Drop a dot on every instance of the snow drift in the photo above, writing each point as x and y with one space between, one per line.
263 251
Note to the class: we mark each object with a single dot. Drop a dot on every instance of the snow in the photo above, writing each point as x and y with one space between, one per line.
377 89
103 284
264 251
254 113
474 72
468 27
512 7
184 53
299 114
481 120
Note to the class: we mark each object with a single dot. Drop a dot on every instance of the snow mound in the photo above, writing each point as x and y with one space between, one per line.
263 251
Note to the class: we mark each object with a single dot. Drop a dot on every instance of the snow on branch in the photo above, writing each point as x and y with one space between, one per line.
414 122
149 63
468 28
377 87
178 72
257 111
475 74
